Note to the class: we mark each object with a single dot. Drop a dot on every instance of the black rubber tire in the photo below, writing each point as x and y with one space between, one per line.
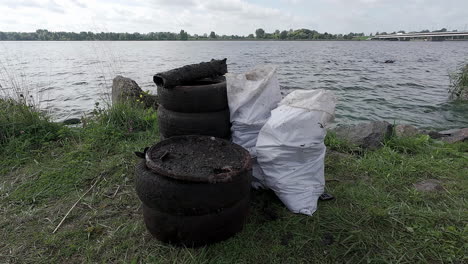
181 198
207 95
194 231
216 124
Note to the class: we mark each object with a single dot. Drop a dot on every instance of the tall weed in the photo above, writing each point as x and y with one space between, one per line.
108 126
459 83
19 121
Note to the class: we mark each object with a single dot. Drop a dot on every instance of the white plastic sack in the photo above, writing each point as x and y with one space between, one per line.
251 98
291 150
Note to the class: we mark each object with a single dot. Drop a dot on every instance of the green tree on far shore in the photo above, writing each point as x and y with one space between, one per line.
260 33
284 34
183 35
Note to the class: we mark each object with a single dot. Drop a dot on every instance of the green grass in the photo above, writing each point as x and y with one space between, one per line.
377 217
19 121
24 130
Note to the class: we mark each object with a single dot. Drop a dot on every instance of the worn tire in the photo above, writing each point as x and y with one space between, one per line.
207 95
199 230
179 197
216 124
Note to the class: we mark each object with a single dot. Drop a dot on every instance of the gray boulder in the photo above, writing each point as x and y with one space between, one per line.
71 121
366 135
454 135
406 131
432 134
127 90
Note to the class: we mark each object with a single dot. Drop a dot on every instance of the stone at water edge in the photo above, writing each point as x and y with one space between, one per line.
454 135
406 131
367 135
125 89
448 133
71 121
432 134
429 185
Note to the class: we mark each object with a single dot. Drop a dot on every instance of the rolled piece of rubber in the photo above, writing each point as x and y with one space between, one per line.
205 95
180 197
198 230
190 73
216 124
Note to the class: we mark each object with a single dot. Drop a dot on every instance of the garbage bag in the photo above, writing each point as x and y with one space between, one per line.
251 97
291 151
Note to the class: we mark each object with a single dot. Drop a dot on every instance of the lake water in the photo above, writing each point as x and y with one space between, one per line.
69 77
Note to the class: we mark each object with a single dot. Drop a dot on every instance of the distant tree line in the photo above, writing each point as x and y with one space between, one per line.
44 34
299 34
304 34
422 31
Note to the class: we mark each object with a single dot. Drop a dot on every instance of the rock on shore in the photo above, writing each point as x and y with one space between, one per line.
372 135
454 135
406 131
125 89
366 135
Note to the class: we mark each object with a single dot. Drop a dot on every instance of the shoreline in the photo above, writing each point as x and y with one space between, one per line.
237 40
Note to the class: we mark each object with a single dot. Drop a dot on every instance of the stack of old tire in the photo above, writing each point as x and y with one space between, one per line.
195 184
193 100
194 189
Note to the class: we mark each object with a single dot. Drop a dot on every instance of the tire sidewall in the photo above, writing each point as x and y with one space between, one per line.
179 197
216 124
194 99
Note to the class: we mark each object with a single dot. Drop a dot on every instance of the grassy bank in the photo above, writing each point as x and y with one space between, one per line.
378 216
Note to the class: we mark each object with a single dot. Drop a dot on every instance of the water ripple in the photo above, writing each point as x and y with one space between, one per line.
411 90
80 83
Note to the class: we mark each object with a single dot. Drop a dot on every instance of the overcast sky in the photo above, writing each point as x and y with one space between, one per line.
228 17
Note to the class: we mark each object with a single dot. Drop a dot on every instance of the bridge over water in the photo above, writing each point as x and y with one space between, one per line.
429 36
